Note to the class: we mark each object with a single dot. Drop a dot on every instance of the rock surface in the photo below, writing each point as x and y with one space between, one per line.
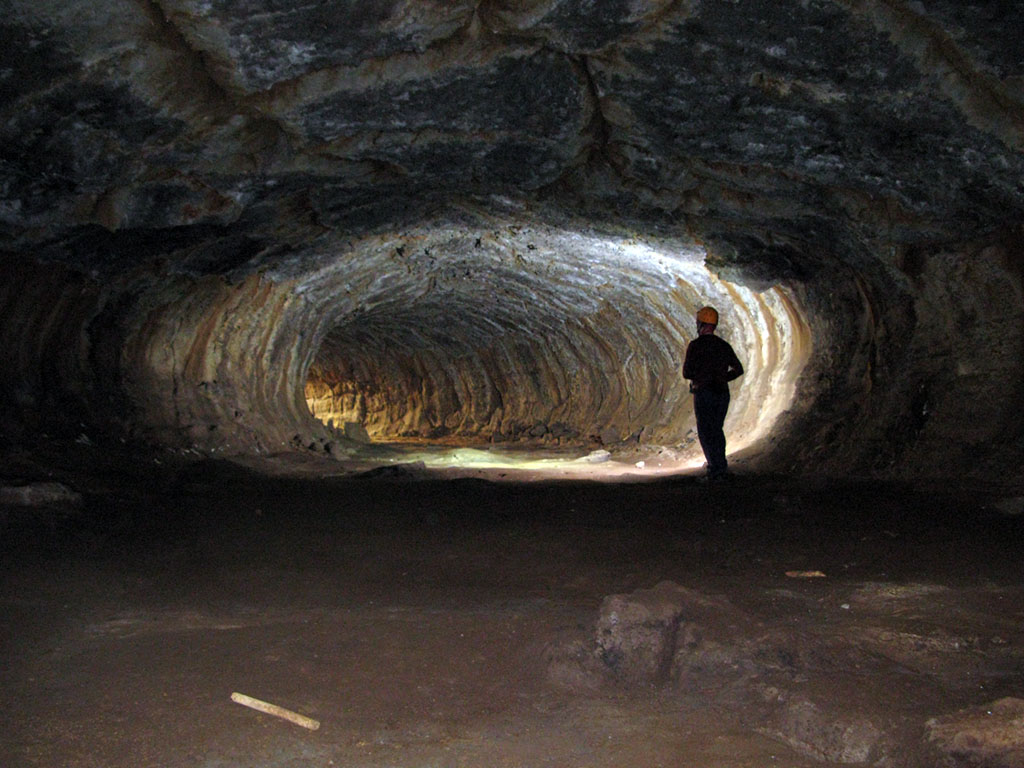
491 221
847 699
39 495
636 633
991 735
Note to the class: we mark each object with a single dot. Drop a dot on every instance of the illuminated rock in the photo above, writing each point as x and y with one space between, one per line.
237 228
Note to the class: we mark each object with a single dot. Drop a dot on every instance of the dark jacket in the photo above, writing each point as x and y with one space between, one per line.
711 363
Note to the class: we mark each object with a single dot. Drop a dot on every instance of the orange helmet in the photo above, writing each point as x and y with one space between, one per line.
707 315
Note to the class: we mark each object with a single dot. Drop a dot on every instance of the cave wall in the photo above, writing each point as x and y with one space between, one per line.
482 221
966 361
904 368
531 329
605 377
919 372
907 368
189 363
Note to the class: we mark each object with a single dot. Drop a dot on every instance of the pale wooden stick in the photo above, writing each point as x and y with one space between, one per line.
273 709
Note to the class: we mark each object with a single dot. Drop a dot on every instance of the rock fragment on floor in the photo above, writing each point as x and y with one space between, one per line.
798 688
636 633
987 736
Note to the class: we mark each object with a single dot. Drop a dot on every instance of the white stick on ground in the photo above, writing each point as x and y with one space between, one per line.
276 711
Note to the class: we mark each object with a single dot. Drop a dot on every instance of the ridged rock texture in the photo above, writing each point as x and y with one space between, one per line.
239 226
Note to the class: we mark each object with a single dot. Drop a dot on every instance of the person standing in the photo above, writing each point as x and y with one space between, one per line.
710 365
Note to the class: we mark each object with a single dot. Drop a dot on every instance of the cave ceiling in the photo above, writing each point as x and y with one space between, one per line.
226 135
236 225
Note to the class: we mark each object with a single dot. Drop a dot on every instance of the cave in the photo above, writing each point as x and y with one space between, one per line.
343 369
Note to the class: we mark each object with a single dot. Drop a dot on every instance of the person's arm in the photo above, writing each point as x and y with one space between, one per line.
735 368
688 366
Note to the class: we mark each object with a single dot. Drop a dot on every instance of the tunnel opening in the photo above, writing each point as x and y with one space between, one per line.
521 343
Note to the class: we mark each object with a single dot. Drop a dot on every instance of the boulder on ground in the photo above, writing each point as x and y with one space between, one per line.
356 432
795 687
987 736
596 457
636 633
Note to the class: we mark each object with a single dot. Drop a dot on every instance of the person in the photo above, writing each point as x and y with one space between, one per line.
710 365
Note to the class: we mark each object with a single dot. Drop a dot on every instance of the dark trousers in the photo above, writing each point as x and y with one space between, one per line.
710 408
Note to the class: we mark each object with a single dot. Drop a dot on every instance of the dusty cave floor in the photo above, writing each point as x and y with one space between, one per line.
418 620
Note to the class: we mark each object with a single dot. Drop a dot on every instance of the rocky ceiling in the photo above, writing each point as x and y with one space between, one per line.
492 221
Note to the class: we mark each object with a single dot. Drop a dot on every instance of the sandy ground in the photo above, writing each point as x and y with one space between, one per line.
416 618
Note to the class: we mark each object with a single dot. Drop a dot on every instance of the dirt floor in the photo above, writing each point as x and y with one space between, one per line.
465 621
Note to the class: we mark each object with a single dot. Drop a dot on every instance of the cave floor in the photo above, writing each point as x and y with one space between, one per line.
418 620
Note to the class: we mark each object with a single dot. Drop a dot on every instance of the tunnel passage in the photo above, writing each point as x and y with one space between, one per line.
472 329
469 328
540 335
216 220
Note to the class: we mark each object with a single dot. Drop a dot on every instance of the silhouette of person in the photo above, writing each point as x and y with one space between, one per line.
710 365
